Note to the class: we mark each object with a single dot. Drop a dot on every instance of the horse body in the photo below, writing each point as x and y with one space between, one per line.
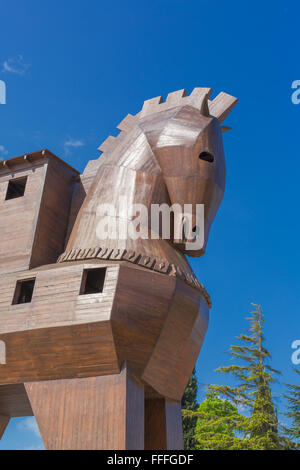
128 350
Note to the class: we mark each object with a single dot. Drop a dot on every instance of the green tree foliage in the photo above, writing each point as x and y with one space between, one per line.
259 428
216 423
293 399
189 402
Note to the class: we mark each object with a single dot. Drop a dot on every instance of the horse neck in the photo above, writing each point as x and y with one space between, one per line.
125 179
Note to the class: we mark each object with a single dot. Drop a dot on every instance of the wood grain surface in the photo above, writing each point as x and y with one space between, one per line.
163 425
107 370
92 413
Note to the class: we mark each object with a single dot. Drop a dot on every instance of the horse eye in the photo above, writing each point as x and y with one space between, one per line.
206 156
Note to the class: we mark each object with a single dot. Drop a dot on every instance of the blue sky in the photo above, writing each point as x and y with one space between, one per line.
73 70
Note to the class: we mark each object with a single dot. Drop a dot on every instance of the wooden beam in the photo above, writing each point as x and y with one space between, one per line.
221 106
104 412
163 425
4 420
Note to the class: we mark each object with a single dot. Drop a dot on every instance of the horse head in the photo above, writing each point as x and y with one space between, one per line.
169 153
185 135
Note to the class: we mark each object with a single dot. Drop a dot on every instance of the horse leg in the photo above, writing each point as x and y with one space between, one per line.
163 425
13 402
103 412
4 420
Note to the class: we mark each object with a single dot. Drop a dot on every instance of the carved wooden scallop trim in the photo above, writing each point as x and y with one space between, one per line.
150 262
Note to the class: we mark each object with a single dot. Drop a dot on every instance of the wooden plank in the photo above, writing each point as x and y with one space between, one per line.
33 227
54 353
14 401
163 425
4 420
174 425
222 106
105 413
155 424
152 313
161 371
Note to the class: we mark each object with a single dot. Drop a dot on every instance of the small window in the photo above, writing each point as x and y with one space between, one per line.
16 188
24 291
93 281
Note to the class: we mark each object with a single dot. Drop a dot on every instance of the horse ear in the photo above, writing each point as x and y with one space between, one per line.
221 106
225 128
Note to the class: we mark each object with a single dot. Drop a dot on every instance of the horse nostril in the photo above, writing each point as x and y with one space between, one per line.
206 156
195 231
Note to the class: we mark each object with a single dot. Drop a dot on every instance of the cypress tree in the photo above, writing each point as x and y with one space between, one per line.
189 402
293 398
260 429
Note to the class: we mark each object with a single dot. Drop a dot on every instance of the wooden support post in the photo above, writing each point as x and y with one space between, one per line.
163 425
4 420
105 412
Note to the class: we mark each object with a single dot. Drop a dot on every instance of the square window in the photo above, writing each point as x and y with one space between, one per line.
92 281
16 188
23 291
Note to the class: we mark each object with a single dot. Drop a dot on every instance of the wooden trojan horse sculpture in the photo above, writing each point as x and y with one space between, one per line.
99 336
